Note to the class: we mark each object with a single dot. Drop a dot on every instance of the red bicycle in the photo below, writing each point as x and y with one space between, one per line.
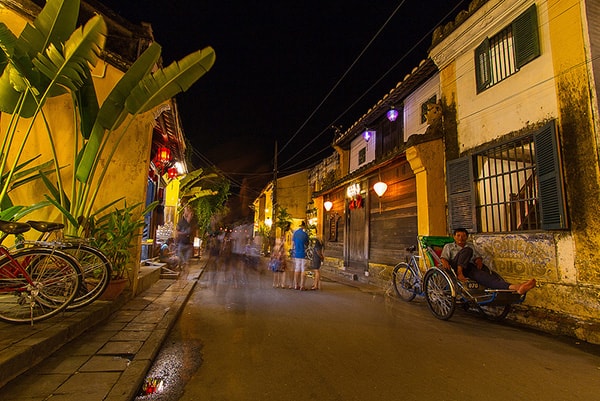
35 283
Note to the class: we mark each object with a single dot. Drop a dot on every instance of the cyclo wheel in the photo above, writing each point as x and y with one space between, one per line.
494 312
55 280
95 273
440 294
404 281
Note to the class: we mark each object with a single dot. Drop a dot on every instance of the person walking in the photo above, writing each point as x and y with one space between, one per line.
300 241
277 264
186 229
317 260
287 248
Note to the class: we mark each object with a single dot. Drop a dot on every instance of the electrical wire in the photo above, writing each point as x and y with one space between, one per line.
347 109
339 81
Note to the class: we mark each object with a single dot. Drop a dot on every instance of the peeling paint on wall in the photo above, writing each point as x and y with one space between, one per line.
520 255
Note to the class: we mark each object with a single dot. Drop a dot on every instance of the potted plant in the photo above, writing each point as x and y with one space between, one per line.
114 234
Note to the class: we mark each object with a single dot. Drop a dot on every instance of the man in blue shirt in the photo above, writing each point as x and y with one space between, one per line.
300 241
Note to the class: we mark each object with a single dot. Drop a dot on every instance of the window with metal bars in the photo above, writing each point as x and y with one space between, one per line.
509 187
502 55
506 187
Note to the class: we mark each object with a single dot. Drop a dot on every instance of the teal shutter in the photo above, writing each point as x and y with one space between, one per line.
551 193
482 65
526 37
461 199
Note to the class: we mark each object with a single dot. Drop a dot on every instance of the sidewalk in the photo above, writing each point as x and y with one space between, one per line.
110 346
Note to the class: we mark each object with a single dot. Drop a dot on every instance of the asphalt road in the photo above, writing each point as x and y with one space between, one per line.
240 339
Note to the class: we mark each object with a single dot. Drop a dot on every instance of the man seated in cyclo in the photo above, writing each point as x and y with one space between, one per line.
464 259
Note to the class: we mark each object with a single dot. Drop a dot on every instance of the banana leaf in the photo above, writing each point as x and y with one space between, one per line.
168 82
53 25
112 112
83 47
87 103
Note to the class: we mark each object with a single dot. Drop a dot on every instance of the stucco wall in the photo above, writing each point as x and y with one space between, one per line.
128 169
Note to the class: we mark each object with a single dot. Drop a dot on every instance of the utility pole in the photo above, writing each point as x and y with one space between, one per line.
274 202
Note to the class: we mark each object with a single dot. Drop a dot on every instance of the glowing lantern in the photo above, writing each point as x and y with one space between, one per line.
380 188
163 155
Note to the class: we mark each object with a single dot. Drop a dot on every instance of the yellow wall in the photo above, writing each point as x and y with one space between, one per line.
578 132
128 170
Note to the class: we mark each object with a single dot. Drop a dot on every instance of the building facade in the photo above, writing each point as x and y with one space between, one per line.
519 85
498 132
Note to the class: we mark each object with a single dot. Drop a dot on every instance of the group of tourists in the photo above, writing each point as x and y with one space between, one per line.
291 273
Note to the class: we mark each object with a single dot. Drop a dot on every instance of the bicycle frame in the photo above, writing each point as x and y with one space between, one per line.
17 269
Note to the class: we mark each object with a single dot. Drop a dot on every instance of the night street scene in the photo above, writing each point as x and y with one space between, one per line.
225 200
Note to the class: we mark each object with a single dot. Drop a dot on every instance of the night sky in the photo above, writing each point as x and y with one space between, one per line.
286 71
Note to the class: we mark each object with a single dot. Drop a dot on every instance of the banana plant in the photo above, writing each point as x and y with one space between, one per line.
206 193
45 61
24 89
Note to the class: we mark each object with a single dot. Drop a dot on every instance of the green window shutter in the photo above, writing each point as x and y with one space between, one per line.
551 194
461 200
482 65
526 36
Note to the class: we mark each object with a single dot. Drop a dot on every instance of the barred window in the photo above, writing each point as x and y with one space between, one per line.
510 187
502 55
506 187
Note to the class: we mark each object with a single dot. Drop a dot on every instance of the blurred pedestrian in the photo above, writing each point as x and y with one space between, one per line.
277 264
317 260
186 229
167 254
287 249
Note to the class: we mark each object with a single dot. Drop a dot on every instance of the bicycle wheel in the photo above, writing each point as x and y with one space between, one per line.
439 294
53 283
405 282
95 273
494 312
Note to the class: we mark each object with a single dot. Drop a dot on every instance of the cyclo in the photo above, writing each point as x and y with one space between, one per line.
441 287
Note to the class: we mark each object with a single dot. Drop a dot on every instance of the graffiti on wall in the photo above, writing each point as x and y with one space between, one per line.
520 255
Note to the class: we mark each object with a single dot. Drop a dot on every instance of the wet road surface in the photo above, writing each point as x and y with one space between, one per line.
240 339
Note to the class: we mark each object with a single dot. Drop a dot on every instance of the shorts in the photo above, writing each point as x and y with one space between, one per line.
299 265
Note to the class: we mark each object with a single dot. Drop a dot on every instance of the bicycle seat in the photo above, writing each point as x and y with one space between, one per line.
45 226
13 227
412 248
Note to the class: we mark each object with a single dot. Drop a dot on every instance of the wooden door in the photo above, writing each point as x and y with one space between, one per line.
357 239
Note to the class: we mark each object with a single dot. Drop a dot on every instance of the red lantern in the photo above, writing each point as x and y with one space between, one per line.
163 154
172 172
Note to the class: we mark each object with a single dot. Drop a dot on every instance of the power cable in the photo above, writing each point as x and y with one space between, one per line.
339 81
347 109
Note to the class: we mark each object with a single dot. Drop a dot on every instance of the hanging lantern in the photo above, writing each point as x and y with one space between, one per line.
172 173
163 155
392 114
328 205
380 188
